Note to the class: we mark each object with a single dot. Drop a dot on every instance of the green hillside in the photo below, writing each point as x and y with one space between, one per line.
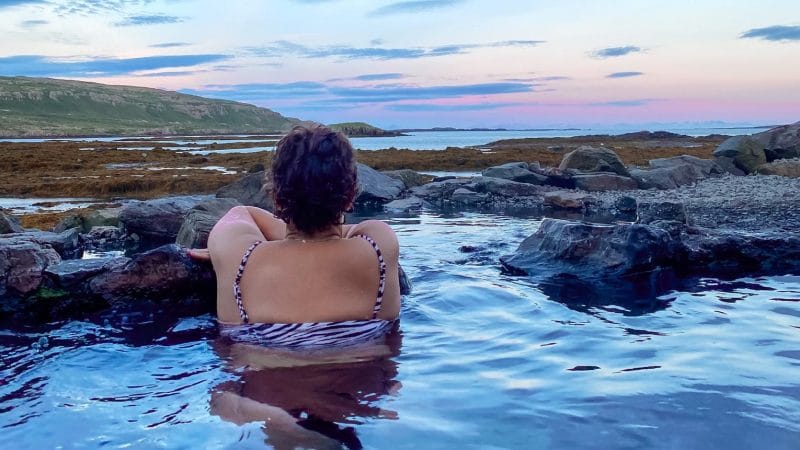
361 129
49 107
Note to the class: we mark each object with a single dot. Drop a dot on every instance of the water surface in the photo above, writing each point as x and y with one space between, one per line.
482 360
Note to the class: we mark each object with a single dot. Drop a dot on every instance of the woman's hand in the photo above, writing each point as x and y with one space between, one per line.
200 254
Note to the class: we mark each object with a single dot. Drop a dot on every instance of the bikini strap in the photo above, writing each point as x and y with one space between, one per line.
382 283
237 290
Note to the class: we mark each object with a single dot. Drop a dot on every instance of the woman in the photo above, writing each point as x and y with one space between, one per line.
301 278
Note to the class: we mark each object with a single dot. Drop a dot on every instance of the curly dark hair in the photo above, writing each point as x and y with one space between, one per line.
313 178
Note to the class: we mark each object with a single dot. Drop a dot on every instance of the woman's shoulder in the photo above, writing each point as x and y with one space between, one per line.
379 231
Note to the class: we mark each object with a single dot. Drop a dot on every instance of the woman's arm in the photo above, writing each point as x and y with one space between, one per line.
271 227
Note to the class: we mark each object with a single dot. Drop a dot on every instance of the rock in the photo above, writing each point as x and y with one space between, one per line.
604 182
625 204
649 212
780 142
165 273
201 219
69 222
586 250
252 190
68 274
67 244
9 224
557 177
566 199
653 178
501 187
782 167
107 217
747 153
728 165
467 197
375 187
593 159
22 263
409 178
701 167
104 238
438 190
158 221
515 171
728 253
404 204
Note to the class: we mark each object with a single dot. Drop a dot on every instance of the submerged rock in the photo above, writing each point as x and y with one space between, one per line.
201 219
467 197
156 222
594 159
375 187
251 190
404 204
567 199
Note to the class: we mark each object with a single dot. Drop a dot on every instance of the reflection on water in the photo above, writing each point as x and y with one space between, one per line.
310 397
488 360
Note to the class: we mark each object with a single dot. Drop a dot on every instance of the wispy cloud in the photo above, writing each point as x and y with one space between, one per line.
413 6
32 23
537 79
427 107
92 7
170 44
38 65
372 77
287 48
152 19
10 3
624 74
176 73
774 33
612 52
322 93
623 103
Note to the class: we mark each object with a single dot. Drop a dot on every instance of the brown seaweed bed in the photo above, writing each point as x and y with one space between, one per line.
106 171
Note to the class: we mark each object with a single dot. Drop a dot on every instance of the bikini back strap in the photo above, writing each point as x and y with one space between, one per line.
237 290
382 282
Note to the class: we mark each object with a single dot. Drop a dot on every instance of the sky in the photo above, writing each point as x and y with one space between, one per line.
428 63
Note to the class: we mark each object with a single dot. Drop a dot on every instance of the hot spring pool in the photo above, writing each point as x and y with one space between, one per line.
482 360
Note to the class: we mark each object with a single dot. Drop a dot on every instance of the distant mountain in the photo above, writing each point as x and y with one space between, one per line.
361 129
50 107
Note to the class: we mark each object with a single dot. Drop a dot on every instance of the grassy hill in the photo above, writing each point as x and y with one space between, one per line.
361 129
49 107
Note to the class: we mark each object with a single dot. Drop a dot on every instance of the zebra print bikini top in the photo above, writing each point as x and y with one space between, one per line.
309 334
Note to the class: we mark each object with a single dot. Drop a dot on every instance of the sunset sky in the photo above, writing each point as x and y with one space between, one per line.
464 63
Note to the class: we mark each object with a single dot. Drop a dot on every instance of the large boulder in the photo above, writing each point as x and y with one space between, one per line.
156 222
375 187
702 168
515 171
409 177
593 182
782 167
201 219
728 253
106 217
9 224
669 173
405 204
252 190
71 273
654 178
438 190
746 152
22 263
780 142
467 197
165 273
593 159
579 249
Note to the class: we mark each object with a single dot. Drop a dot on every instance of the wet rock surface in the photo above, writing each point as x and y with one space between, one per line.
251 190
9 224
201 219
156 222
375 187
